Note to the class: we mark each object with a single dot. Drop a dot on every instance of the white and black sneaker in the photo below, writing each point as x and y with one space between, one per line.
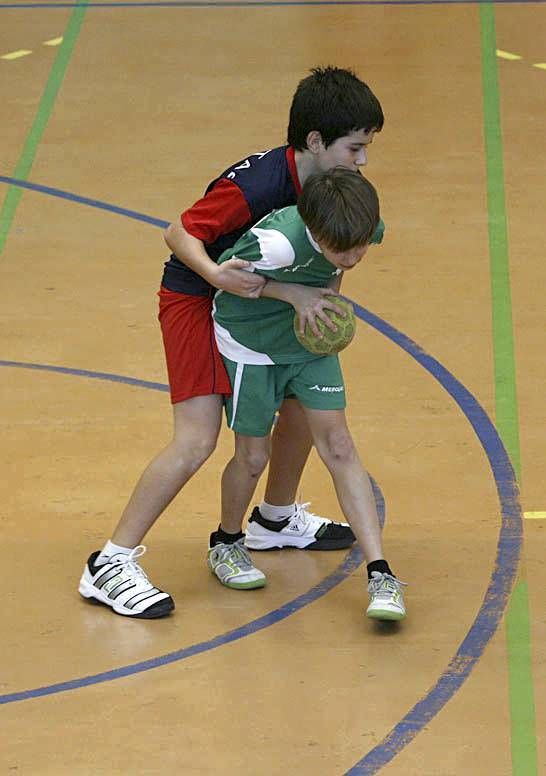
303 530
122 584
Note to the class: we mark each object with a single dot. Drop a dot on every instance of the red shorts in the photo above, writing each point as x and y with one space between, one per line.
194 365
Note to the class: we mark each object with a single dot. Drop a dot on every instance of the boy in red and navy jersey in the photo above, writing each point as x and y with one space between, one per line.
333 118
232 203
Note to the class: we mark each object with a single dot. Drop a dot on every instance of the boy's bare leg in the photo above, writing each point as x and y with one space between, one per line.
240 478
354 491
291 443
279 521
335 446
227 558
127 589
196 427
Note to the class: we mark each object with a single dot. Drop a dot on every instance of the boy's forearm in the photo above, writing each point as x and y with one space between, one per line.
284 292
190 251
296 294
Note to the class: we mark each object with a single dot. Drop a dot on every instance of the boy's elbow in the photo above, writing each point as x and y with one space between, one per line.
168 235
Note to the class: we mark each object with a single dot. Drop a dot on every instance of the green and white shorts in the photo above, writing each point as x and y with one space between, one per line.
259 391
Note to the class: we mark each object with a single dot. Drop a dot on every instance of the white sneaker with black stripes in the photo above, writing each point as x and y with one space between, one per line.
122 584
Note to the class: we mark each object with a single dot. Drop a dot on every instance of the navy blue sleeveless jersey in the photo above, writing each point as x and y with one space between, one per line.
232 203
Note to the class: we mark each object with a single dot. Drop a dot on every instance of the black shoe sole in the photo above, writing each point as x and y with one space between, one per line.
164 608
330 544
319 546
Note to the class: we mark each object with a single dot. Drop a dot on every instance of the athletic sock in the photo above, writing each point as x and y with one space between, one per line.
379 565
109 550
223 537
276 514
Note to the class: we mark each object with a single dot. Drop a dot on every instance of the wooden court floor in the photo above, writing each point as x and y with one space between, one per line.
114 118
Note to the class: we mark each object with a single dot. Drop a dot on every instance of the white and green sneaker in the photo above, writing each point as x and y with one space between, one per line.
232 565
386 598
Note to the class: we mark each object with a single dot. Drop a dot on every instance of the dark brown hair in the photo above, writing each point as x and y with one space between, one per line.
334 102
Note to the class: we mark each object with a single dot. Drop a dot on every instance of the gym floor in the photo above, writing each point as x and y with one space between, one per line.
115 115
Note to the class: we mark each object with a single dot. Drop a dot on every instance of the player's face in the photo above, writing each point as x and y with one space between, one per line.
349 151
345 260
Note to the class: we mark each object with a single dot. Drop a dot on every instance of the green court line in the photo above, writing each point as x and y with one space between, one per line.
520 678
503 343
45 108
522 705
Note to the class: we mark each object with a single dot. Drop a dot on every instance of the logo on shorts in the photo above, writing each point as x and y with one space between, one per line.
327 388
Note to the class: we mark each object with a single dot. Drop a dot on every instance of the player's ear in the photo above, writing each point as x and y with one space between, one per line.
314 141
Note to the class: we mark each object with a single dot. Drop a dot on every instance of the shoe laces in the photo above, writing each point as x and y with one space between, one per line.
130 564
384 584
238 553
302 516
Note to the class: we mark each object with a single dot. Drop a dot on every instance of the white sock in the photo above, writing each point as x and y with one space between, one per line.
271 512
109 550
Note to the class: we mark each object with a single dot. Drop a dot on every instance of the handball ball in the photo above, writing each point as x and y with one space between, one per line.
331 341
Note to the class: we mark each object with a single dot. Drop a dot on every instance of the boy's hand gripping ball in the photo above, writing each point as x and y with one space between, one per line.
331 341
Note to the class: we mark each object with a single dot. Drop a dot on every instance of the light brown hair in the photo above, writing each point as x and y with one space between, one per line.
340 208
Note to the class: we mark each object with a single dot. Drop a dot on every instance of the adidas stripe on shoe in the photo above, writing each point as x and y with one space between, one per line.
303 530
122 584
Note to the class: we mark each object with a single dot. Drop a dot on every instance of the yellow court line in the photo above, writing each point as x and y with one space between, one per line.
513 57
535 515
53 42
16 54
507 55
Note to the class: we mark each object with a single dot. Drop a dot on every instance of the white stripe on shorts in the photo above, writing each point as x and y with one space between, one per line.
236 388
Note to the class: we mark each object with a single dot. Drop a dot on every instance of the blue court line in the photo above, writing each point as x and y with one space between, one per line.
24 184
87 373
485 623
268 3
495 598
504 573
353 560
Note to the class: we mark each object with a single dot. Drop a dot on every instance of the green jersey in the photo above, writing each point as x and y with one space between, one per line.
261 331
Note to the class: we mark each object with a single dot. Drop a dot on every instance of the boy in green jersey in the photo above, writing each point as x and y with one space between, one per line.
313 243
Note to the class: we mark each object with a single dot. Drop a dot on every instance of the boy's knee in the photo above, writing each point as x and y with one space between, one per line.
204 448
337 446
195 452
254 461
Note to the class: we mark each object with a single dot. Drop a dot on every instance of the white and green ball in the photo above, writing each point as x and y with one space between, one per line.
331 341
